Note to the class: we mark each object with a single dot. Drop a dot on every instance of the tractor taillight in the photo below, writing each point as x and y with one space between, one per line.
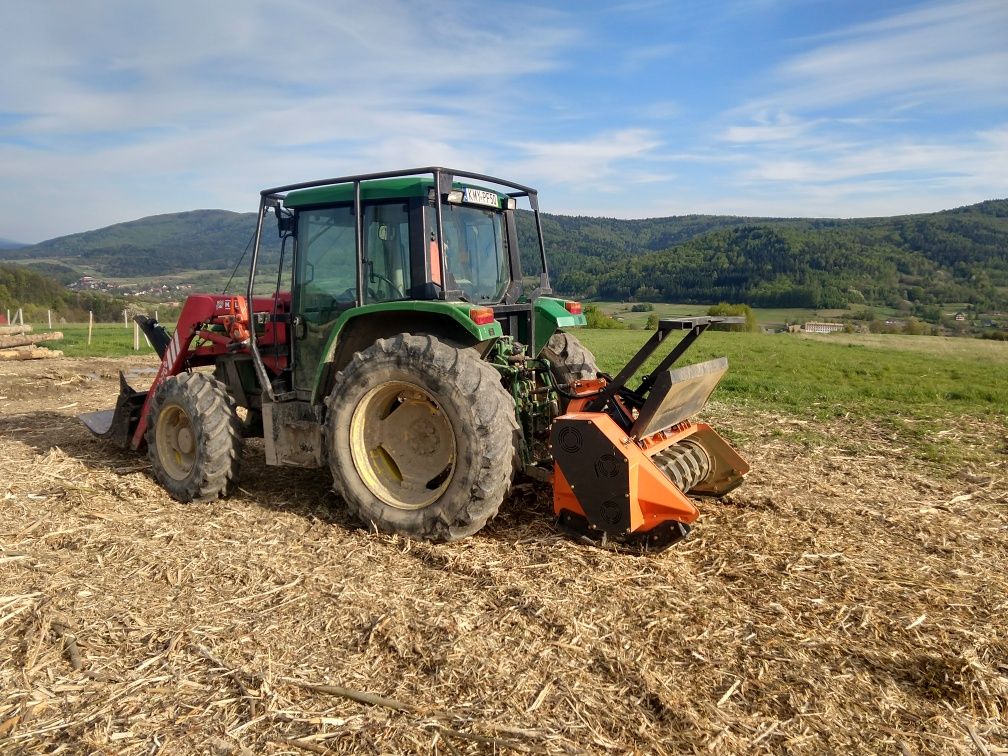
574 308
481 315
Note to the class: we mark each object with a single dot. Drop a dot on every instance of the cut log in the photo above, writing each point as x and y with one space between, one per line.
6 330
6 342
28 354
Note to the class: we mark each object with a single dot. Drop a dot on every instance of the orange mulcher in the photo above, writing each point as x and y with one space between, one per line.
625 459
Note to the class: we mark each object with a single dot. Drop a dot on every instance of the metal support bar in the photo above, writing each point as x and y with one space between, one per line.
670 359
257 361
358 242
439 218
637 360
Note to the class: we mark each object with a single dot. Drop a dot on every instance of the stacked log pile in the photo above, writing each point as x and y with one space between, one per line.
23 345
17 328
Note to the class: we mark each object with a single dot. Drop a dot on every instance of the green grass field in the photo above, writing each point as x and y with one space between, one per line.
916 388
821 376
767 317
836 375
107 340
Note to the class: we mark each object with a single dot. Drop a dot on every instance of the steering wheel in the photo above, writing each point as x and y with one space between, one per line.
389 284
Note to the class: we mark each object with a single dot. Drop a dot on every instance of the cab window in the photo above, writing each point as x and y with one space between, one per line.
386 252
475 251
326 263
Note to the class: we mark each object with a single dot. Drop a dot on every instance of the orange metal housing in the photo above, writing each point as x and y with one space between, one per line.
651 497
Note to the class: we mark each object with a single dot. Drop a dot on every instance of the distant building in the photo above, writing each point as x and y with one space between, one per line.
960 316
812 327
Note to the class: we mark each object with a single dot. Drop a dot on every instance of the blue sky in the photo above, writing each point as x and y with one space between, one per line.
111 111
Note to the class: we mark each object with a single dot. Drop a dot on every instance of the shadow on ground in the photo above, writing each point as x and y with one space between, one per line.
526 513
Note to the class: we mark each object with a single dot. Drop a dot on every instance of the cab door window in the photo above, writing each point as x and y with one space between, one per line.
325 283
386 252
327 263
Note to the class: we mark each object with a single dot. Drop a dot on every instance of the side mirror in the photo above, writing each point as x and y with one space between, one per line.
286 222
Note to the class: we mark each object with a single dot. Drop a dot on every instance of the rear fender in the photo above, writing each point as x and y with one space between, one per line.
359 327
549 316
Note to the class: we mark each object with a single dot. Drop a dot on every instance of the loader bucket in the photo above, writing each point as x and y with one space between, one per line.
117 425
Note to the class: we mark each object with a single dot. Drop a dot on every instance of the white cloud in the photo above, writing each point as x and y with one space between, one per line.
133 109
953 55
588 163
871 118
767 128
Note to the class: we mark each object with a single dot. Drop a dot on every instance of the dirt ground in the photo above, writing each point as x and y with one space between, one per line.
849 598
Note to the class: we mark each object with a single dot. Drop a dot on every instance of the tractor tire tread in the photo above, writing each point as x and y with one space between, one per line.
217 432
569 358
486 409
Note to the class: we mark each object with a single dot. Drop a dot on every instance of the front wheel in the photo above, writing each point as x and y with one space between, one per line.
193 437
569 360
421 438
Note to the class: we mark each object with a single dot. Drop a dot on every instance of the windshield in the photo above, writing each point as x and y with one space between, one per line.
475 254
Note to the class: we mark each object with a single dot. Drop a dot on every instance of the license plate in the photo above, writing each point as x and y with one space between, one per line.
480 197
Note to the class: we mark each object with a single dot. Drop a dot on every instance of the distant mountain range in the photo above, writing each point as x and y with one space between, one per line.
9 244
958 255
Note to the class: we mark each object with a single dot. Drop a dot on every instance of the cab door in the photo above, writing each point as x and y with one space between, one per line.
325 284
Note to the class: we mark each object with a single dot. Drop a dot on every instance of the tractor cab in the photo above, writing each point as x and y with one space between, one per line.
395 248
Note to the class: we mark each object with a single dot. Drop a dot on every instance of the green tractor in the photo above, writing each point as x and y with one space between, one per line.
414 359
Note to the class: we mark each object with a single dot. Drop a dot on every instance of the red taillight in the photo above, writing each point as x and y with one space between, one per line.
574 308
481 315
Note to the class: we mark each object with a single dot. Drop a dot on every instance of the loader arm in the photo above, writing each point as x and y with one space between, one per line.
208 326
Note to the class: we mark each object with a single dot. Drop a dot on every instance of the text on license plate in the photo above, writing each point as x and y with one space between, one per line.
480 197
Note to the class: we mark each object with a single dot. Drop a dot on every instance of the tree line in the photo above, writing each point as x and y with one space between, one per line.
952 256
35 293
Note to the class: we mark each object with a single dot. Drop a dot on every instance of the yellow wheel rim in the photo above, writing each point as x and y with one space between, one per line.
176 441
402 445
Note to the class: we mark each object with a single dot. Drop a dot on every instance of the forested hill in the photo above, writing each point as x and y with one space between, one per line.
194 240
956 255
36 293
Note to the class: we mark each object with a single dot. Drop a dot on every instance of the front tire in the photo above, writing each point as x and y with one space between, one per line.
421 438
569 360
193 437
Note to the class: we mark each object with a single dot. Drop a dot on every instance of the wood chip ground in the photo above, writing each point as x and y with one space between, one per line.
849 598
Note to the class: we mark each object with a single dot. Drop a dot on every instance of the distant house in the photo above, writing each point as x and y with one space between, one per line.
812 327
960 316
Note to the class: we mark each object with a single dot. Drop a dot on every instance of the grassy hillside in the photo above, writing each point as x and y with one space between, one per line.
36 293
154 246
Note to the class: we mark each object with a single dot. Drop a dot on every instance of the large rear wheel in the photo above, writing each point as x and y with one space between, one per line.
193 437
421 438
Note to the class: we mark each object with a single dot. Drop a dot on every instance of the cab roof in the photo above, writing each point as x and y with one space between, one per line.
392 188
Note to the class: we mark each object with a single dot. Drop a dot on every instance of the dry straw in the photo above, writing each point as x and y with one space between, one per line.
848 598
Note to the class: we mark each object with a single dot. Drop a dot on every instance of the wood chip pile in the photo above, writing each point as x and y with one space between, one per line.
850 597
